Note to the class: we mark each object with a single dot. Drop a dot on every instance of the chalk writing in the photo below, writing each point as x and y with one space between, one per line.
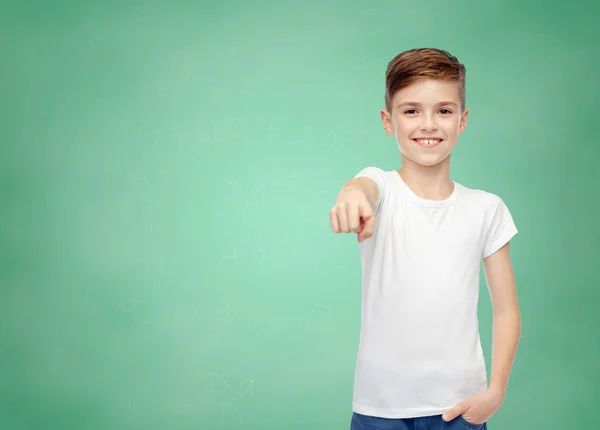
204 140
296 176
225 320
230 415
255 257
233 192
232 255
245 386
304 138
272 129
331 142
218 383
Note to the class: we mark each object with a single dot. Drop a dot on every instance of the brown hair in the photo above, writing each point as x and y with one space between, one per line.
413 65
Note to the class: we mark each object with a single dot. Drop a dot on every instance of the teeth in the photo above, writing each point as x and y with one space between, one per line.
428 141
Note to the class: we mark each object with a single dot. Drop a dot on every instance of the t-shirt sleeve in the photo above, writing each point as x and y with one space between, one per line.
377 175
501 227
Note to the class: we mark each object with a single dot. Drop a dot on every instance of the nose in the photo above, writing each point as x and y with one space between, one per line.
429 123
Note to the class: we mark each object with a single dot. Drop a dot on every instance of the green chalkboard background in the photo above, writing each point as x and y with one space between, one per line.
166 172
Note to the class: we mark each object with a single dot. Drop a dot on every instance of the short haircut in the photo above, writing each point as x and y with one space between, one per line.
417 64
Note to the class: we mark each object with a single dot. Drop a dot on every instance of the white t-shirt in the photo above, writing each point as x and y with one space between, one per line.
419 352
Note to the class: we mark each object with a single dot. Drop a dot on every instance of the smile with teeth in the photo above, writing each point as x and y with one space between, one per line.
428 142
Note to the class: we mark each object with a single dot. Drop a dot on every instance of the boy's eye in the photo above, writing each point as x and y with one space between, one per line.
443 111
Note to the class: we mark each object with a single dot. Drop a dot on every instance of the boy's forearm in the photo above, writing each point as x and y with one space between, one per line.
354 184
506 334
365 185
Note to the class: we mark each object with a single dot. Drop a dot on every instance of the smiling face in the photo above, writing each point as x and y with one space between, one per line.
426 119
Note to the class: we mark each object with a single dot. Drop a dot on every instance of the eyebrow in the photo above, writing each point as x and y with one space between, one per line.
446 102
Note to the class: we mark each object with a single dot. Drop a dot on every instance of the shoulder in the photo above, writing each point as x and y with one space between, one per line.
496 221
486 200
373 171
486 208
380 176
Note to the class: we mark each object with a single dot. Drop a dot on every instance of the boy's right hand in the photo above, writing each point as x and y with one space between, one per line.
352 212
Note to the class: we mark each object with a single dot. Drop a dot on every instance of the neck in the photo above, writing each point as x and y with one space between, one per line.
431 183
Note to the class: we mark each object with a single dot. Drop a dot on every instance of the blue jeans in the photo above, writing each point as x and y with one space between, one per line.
434 422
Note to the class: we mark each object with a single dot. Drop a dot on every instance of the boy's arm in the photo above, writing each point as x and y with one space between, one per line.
507 330
364 184
507 317
353 209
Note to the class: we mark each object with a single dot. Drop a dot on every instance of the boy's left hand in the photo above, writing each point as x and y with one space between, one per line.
476 409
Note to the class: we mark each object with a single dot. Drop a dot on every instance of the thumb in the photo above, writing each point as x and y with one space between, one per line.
457 410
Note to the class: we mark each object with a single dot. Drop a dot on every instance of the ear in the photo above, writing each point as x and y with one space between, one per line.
387 122
463 121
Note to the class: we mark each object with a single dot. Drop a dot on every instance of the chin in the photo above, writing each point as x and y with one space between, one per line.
426 161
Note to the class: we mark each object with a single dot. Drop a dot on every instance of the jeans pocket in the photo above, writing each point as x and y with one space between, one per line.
470 425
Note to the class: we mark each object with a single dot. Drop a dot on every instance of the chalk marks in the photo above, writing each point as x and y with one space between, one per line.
246 386
203 140
313 319
308 139
231 254
235 390
297 177
218 383
230 415
224 320
331 142
210 143
243 387
272 133
280 185
259 256
220 399
245 199
233 192
255 257
271 324
289 194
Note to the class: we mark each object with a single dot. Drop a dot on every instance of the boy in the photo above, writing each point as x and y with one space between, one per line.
422 238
